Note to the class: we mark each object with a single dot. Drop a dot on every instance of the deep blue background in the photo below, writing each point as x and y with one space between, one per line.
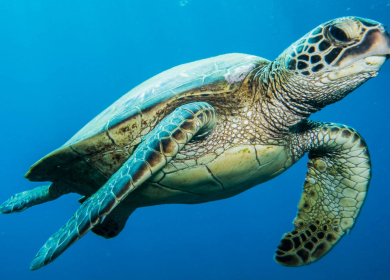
63 62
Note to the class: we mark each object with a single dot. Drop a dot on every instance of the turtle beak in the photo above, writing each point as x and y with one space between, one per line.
383 42
368 56
388 40
372 52
379 51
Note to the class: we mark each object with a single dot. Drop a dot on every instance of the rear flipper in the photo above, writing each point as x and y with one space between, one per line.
21 201
114 222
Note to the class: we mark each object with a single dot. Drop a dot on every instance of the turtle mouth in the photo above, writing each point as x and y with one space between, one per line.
376 61
370 63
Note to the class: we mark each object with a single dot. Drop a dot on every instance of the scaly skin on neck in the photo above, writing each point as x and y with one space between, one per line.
278 104
285 98
278 99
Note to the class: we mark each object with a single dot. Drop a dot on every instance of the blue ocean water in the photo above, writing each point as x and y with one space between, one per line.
63 62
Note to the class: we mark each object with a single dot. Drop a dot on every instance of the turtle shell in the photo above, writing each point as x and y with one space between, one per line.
91 156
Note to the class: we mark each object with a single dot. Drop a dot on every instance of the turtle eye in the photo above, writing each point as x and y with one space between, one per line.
338 34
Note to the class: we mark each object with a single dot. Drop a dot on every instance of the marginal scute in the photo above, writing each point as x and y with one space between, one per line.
96 144
109 162
124 127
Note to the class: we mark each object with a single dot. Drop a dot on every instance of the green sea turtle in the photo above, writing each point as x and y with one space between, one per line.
211 129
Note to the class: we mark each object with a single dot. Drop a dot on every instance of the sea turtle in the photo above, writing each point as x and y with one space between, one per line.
213 128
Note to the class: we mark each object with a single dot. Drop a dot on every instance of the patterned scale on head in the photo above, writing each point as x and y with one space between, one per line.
326 47
328 63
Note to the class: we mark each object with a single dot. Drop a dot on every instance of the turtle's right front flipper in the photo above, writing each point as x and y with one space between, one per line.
155 151
335 188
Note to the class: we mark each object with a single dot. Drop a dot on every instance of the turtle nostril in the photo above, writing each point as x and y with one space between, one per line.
384 29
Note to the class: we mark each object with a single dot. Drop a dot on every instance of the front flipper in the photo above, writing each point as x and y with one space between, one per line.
155 151
333 194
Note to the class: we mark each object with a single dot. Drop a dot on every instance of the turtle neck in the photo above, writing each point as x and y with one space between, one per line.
281 102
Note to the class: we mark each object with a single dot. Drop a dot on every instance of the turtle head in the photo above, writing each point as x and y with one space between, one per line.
334 59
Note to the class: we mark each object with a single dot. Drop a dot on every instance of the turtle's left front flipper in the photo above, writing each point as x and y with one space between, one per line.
155 151
333 193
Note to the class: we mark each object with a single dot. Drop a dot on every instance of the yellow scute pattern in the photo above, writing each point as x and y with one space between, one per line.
243 164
